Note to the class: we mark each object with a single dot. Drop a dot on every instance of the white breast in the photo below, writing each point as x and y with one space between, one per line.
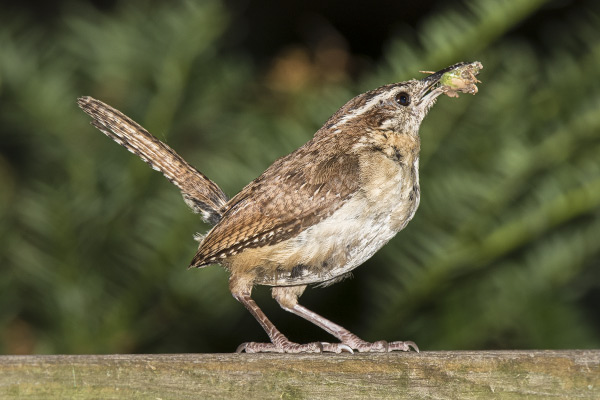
353 233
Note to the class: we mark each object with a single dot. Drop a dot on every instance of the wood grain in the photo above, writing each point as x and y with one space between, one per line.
573 374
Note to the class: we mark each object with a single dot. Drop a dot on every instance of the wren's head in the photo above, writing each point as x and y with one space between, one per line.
399 107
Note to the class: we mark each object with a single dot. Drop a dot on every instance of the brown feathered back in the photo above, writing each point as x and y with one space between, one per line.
284 200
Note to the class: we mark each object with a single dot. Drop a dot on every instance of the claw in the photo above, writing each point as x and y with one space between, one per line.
336 348
345 347
403 346
241 348
413 345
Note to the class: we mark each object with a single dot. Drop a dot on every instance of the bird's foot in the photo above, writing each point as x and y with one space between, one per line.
380 346
291 347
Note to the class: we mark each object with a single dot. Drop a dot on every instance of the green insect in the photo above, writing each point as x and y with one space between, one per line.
461 79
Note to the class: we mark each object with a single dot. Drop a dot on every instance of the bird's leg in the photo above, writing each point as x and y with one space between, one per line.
279 343
288 300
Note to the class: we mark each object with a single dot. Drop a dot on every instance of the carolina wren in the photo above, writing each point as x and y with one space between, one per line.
315 214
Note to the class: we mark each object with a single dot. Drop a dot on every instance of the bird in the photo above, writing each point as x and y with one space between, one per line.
315 214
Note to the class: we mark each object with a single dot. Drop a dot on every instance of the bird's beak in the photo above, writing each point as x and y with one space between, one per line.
459 77
436 76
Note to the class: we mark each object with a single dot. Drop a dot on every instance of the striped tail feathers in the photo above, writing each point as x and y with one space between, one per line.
201 194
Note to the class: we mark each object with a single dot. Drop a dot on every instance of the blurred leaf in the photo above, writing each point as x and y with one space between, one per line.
503 252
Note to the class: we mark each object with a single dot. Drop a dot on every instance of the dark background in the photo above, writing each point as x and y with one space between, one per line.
503 252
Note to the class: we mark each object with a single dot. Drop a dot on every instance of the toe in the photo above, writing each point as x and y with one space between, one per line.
403 346
336 348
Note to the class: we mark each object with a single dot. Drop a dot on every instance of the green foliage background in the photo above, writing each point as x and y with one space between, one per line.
504 251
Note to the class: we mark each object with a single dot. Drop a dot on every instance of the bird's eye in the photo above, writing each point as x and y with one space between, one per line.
403 99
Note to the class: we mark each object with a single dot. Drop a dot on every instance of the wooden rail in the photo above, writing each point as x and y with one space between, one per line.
570 374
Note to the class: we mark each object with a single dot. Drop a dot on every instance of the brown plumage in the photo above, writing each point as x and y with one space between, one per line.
200 193
315 185
315 214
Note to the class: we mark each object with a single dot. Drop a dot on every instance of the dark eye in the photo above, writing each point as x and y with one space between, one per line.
403 99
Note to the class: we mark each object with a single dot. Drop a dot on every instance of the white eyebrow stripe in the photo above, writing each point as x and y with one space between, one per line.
360 111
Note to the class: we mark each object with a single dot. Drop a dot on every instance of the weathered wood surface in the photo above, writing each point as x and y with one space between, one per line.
573 374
